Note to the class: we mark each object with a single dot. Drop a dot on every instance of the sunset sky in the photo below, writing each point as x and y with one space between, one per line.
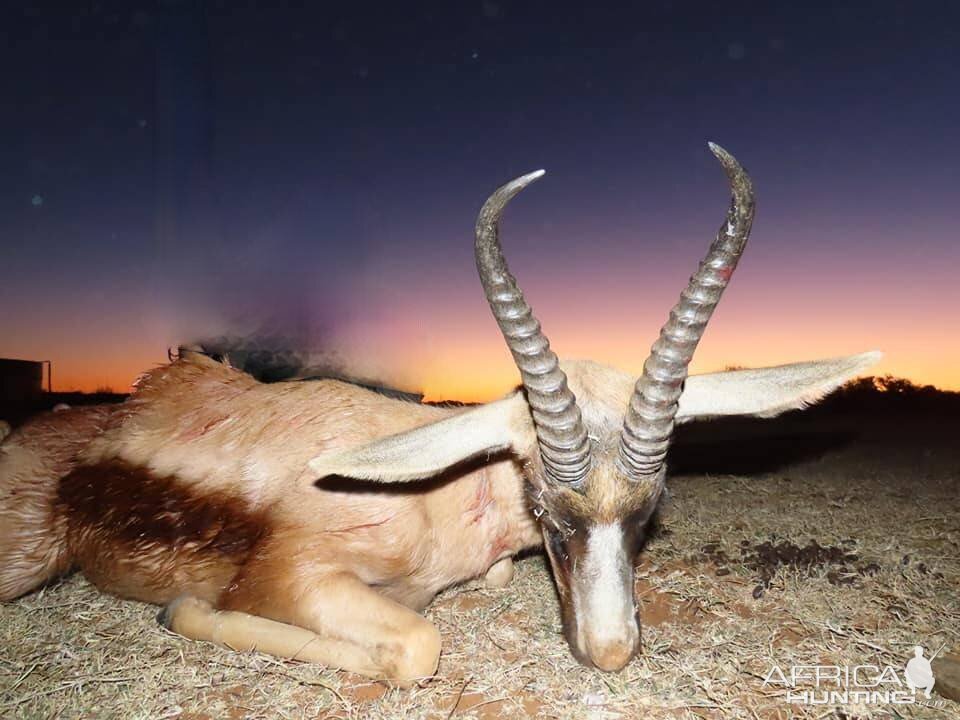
177 171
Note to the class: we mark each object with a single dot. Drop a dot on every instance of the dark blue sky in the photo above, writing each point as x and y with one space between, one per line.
185 168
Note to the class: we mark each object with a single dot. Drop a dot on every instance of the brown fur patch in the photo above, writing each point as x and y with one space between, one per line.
605 496
32 461
568 515
136 534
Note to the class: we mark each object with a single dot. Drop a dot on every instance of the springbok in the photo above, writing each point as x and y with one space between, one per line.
314 520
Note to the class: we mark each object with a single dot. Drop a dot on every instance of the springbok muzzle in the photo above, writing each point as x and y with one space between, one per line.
608 629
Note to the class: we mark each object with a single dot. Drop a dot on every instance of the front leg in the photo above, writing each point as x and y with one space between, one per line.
339 621
499 574
197 619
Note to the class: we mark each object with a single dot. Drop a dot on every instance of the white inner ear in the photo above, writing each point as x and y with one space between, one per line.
429 450
766 392
603 392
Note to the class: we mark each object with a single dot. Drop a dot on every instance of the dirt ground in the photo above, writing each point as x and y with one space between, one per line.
801 542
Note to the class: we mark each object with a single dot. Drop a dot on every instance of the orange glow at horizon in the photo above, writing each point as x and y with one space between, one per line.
438 338
477 372
461 356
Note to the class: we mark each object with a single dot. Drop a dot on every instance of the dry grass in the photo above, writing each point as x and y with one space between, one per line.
70 652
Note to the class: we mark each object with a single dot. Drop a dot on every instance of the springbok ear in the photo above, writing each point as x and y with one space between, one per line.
429 450
766 392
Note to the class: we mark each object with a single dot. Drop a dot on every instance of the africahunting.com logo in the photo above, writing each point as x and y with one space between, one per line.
854 684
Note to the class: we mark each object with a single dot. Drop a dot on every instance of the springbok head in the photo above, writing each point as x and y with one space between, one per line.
593 440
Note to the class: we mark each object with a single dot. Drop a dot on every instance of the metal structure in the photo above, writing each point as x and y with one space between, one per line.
21 381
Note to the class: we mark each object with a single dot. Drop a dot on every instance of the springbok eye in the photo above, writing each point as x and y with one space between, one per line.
558 547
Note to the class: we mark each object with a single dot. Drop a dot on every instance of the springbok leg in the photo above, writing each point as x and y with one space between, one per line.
500 574
197 620
340 622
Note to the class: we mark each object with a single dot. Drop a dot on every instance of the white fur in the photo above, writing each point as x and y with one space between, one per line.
602 395
603 604
603 392
766 392
427 450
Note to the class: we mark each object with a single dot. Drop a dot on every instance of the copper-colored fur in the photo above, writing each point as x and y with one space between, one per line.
145 537
194 487
315 519
32 461
199 469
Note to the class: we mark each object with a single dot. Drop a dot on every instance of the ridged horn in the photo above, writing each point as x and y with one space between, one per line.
564 446
649 420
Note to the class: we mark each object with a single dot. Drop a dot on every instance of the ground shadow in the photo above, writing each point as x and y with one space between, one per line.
746 447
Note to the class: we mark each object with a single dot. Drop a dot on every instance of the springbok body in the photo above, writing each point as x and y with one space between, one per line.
313 520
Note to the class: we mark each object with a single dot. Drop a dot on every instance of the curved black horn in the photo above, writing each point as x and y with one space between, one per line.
561 434
648 424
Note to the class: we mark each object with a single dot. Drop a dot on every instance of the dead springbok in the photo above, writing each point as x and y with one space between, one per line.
261 517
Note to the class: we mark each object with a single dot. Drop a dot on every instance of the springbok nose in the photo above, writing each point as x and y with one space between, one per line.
611 655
